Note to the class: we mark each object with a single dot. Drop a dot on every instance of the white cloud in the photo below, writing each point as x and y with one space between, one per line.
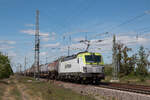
32 32
53 36
146 34
4 47
106 45
44 34
43 53
53 33
76 31
7 42
29 31
51 45
45 39
12 54
68 33
77 46
129 40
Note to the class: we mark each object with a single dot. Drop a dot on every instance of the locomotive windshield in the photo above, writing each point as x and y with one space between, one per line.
93 59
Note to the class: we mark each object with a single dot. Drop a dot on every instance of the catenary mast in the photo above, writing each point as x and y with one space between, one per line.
37 46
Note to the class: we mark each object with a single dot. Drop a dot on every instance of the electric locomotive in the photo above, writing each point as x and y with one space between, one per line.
83 67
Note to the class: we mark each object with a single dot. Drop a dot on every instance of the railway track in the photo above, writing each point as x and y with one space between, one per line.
142 89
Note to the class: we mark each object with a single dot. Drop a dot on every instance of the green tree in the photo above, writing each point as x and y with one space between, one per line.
132 63
5 68
123 60
119 47
142 63
126 60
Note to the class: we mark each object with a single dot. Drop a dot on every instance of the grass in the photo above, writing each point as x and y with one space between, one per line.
20 86
107 79
7 86
15 93
53 92
131 79
2 88
135 80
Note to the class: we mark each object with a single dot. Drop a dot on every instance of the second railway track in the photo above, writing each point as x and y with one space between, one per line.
127 87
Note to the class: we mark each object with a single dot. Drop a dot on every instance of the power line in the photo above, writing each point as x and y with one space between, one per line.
143 29
123 23
142 32
80 11
129 20
85 9
132 19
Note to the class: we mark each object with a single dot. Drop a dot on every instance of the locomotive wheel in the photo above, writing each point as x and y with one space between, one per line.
96 82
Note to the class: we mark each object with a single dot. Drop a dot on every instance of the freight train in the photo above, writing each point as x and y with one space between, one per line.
84 67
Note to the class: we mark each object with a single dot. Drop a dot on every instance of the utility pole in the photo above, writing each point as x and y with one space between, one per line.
20 67
114 60
86 36
17 68
46 59
69 45
47 64
37 45
25 63
68 50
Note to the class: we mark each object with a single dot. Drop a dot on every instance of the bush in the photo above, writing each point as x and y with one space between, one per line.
5 68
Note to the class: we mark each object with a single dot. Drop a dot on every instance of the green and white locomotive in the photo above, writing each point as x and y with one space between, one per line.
83 67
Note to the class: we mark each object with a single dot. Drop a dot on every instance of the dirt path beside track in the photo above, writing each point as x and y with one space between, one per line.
16 90
27 88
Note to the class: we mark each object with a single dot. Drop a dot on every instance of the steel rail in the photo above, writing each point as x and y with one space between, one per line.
142 89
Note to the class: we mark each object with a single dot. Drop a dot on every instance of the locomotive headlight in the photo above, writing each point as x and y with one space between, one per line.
84 69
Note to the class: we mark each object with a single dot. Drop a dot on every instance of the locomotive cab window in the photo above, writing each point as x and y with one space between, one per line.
93 58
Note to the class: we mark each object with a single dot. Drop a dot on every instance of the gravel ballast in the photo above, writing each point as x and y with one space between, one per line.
100 93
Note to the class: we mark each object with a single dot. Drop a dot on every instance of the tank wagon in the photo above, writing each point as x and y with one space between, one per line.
83 67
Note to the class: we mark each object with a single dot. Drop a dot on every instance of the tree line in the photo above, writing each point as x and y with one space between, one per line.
5 66
136 64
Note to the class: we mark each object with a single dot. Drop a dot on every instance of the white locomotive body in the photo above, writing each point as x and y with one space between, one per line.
82 67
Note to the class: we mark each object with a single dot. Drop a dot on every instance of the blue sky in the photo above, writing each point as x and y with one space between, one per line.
71 18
